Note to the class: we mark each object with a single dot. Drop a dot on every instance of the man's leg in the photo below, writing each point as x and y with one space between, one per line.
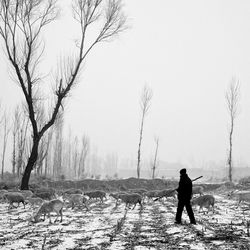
190 212
179 211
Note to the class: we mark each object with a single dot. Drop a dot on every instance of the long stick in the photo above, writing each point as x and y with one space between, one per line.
175 188
197 178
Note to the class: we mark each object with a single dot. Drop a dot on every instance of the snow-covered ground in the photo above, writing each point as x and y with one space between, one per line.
106 226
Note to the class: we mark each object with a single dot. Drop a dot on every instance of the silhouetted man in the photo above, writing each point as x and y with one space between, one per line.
184 196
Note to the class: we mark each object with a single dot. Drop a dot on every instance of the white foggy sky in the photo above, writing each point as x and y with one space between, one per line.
187 52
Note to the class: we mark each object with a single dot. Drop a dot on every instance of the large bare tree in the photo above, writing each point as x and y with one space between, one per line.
21 25
146 97
232 100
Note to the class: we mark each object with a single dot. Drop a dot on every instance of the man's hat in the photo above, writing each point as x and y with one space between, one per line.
183 171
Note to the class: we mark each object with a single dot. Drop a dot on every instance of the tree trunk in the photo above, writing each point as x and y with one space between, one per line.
139 148
230 159
31 162
230 151
14 155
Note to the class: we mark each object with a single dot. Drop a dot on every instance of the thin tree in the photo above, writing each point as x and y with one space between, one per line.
155 162
16 126
48 151
146 97
83 156
21 25
75 158
58 148
232 100
6 131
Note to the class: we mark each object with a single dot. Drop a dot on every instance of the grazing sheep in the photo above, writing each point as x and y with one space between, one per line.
116 196
96 194
14 197
131 199
151 194
241 196
44 195
42 191
34 201
204 201
26 193
77 199
165 193
50 206
198 190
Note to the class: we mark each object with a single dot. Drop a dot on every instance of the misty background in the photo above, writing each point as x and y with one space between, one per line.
187 52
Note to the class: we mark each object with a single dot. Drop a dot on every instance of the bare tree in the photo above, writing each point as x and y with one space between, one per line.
21 25
75 156
146 97
16 125
155 162
6 131
232 100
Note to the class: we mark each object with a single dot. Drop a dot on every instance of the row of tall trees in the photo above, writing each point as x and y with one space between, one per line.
60 154
232 104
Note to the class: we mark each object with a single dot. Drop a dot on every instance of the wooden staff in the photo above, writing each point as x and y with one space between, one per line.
197 178
175 188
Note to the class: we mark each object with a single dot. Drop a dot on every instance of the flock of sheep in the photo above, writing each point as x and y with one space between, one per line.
50 201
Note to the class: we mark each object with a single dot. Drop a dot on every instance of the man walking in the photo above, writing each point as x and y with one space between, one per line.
184 196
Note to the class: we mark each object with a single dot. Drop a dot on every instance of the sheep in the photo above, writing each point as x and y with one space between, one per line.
47 207
165 193
198 190
44 195
241 196
71 191
14 197
131 199
151 194
116 196
204 201
96 194
26 193
77 199
34 201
